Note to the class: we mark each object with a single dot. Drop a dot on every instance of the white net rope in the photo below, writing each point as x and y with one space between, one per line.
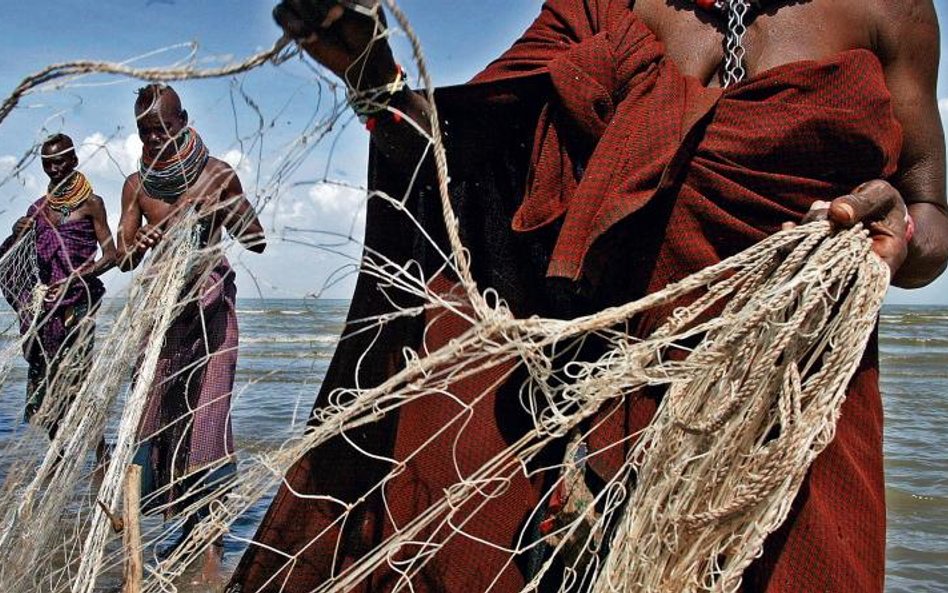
19 270
754 369
19 274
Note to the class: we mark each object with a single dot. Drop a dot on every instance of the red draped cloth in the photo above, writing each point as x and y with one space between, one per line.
620 175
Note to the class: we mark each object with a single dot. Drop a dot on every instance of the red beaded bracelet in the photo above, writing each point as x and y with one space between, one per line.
371 104
372 121
708 5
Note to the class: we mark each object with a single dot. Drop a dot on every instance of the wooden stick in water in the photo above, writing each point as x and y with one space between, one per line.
132 535
117 523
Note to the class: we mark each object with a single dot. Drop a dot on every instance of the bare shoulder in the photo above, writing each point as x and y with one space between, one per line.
217 167
906 29
221 173
132 190
96 202
94 207
909 12
132 183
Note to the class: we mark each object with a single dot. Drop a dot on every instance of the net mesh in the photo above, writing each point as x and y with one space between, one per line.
19 282
20 274
754 370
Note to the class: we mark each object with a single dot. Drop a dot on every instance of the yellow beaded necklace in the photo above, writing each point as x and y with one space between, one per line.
67 195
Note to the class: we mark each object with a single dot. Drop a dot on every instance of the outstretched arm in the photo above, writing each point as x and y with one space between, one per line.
907 43
352 45
240 219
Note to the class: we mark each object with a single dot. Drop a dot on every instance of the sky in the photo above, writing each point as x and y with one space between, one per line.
300 156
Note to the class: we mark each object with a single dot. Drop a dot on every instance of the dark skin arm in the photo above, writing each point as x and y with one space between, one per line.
103 235
908 44
96 210
240 219
23 224
346 42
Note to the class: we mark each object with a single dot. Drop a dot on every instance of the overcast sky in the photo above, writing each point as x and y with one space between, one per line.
300 210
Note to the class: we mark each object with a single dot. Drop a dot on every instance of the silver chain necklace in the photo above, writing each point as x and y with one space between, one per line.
734 51
736 12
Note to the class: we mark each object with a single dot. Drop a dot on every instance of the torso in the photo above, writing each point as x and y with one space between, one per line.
784 32
207 193
55 218
63 246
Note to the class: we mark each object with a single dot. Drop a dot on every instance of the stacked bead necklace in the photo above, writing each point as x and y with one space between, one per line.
67 195
166 179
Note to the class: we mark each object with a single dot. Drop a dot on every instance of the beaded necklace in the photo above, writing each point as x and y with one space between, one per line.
67 195
166 179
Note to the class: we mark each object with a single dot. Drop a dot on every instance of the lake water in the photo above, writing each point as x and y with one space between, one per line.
914 348
286 346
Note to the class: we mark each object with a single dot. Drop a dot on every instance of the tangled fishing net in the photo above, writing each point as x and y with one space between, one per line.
754 368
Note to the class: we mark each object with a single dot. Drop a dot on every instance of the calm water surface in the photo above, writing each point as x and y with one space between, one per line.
286 345
914 349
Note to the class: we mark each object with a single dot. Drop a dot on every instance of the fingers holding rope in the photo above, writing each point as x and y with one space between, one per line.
347 38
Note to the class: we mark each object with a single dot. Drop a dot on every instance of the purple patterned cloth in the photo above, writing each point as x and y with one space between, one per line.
186 425
60 250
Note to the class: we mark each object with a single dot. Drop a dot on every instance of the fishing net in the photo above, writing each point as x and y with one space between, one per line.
21 288
753 365
20 273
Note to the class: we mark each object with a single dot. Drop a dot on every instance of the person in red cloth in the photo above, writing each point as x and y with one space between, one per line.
616 147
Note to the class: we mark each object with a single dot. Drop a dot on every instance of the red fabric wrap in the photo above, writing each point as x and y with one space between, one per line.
640 176
616 92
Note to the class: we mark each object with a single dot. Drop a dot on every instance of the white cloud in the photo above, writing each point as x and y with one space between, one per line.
289 212
22 183
328 207
239 161
307 245
114 157
338 200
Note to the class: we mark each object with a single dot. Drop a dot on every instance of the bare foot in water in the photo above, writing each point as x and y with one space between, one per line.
212 576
